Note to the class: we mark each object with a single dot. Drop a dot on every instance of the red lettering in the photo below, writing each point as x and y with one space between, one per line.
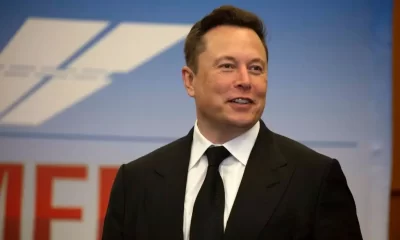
44 195
107 175
13 173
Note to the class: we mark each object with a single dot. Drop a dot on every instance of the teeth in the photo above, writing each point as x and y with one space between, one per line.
241 100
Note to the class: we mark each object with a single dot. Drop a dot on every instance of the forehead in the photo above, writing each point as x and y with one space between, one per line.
234 41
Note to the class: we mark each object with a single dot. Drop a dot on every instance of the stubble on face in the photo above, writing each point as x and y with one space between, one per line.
233 57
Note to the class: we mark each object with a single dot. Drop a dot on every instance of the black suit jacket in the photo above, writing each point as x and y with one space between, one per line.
288 191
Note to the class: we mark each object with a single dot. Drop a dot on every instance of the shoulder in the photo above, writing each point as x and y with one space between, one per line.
300 154
313 168
153 158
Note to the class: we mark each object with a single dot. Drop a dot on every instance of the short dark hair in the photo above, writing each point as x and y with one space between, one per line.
224 15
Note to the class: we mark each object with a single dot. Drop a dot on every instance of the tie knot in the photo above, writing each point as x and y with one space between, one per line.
216 155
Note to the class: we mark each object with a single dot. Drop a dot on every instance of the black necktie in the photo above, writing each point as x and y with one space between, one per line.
208 212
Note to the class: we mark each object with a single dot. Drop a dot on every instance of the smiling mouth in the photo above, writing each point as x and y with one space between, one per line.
242 101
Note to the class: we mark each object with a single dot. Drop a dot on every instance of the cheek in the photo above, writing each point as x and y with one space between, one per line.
210 92
218 87
261 89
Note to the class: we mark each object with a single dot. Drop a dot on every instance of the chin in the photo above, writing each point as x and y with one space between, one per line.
242 123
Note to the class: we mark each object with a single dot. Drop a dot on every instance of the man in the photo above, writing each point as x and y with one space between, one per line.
266 187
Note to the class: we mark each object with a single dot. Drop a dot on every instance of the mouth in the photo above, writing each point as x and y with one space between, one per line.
241 101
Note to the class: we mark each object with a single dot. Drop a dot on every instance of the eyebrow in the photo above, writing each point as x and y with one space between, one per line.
230 58
218 60
259 60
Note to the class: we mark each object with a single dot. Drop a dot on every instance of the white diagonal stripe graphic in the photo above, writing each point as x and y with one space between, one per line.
123 49
52 98
48 42
38 45
130 45
12 88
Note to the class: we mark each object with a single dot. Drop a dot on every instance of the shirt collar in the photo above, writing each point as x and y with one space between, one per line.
239 147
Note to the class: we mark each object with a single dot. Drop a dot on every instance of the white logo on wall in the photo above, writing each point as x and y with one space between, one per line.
51 64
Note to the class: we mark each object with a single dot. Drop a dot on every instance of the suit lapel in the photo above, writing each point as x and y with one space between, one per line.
172 176
263 184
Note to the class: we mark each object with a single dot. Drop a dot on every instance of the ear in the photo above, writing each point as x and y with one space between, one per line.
188 78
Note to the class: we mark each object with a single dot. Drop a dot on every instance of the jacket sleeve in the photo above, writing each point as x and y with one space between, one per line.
336 214
114 220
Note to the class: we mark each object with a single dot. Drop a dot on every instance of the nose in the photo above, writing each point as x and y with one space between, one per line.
243 80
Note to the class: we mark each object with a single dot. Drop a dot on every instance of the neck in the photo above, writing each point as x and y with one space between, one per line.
220 134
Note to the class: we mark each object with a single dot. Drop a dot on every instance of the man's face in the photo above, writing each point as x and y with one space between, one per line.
231 83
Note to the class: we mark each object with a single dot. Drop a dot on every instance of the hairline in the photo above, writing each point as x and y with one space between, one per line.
202 46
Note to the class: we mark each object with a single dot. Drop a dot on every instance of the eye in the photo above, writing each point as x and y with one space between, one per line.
256 68
226 65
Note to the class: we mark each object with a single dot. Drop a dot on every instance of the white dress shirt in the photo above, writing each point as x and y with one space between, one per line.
231 170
